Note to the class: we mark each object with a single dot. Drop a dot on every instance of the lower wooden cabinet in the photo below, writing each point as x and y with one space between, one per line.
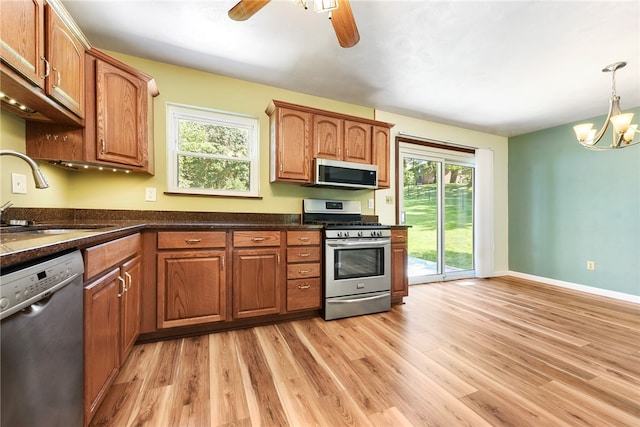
399 264
191 278
304 270
257 289
101 339
113 277
191 287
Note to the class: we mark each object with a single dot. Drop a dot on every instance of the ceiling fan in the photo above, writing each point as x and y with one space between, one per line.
340 14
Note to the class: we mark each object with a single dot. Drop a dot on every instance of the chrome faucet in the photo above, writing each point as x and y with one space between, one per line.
39 179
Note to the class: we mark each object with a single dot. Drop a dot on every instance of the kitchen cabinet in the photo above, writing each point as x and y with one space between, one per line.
338 139
257 288
357 141
304 270
301 134
381 149
111 312
290 155
42 53
117 132
399 264
191 278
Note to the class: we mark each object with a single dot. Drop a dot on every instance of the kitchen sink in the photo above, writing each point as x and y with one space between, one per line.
52 231
16 233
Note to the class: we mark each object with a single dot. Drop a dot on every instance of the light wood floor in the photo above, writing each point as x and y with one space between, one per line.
501 352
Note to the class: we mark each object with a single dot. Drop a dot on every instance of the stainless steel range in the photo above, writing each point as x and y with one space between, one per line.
357 258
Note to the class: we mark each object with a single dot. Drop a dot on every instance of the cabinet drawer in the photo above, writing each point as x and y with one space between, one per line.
299 271
256 238
303 294
399 236
191 239
303 254
101 257
303 238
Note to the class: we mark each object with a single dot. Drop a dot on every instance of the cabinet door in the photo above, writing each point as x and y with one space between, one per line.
22 38
121 111
101 337
191 287
292 146
256 282
399 263
131 271
65 53
327 137
381 154
357 142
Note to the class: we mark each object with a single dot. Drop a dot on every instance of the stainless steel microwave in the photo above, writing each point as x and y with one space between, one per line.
345 175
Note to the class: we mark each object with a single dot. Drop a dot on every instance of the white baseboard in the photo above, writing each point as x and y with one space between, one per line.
575 286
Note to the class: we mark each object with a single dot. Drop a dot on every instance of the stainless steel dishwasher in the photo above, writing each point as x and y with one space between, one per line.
41 343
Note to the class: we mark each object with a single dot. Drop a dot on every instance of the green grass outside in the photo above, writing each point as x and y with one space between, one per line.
420 203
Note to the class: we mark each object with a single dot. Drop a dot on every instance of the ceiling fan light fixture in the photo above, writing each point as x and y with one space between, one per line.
623 130
324 5
301 3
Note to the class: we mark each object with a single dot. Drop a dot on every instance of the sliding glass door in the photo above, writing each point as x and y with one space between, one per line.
436 200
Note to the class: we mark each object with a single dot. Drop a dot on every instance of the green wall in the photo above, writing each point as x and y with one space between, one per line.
568 205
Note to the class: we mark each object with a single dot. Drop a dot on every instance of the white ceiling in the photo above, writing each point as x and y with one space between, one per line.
502 67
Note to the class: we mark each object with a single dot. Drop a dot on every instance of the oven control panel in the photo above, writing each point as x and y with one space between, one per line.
358 233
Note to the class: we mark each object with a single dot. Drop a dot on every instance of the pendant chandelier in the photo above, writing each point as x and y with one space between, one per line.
623 130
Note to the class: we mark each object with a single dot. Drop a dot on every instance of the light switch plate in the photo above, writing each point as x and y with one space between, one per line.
18 183
371 204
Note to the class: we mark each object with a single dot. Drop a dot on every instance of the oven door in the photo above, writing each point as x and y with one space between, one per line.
357 266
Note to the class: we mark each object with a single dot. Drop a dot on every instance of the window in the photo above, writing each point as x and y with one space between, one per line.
211 152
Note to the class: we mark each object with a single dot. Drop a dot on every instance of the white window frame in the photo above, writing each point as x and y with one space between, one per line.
176 112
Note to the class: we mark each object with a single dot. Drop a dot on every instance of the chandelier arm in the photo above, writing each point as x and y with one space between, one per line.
598 137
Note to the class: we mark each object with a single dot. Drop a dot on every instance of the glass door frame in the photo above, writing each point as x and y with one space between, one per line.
442 157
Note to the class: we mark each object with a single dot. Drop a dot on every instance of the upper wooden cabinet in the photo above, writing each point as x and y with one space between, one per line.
381 149
65 54
118 119
42 67
290 154
339 139
357 142
22 45
300 134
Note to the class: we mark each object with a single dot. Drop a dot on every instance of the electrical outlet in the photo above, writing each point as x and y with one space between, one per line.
18 183
150 194
389 200
591 265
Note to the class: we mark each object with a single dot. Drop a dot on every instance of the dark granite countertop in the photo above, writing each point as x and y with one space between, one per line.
89 227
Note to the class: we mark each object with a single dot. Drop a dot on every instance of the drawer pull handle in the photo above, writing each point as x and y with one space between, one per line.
304 286
304 271
304 255
222 260
129 279
303 239
258 239
192 241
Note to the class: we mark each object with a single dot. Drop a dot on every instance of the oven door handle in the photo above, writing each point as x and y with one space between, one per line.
369 243
349 301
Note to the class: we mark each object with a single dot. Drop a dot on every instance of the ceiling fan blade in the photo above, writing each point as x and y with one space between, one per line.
245 9
344 24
